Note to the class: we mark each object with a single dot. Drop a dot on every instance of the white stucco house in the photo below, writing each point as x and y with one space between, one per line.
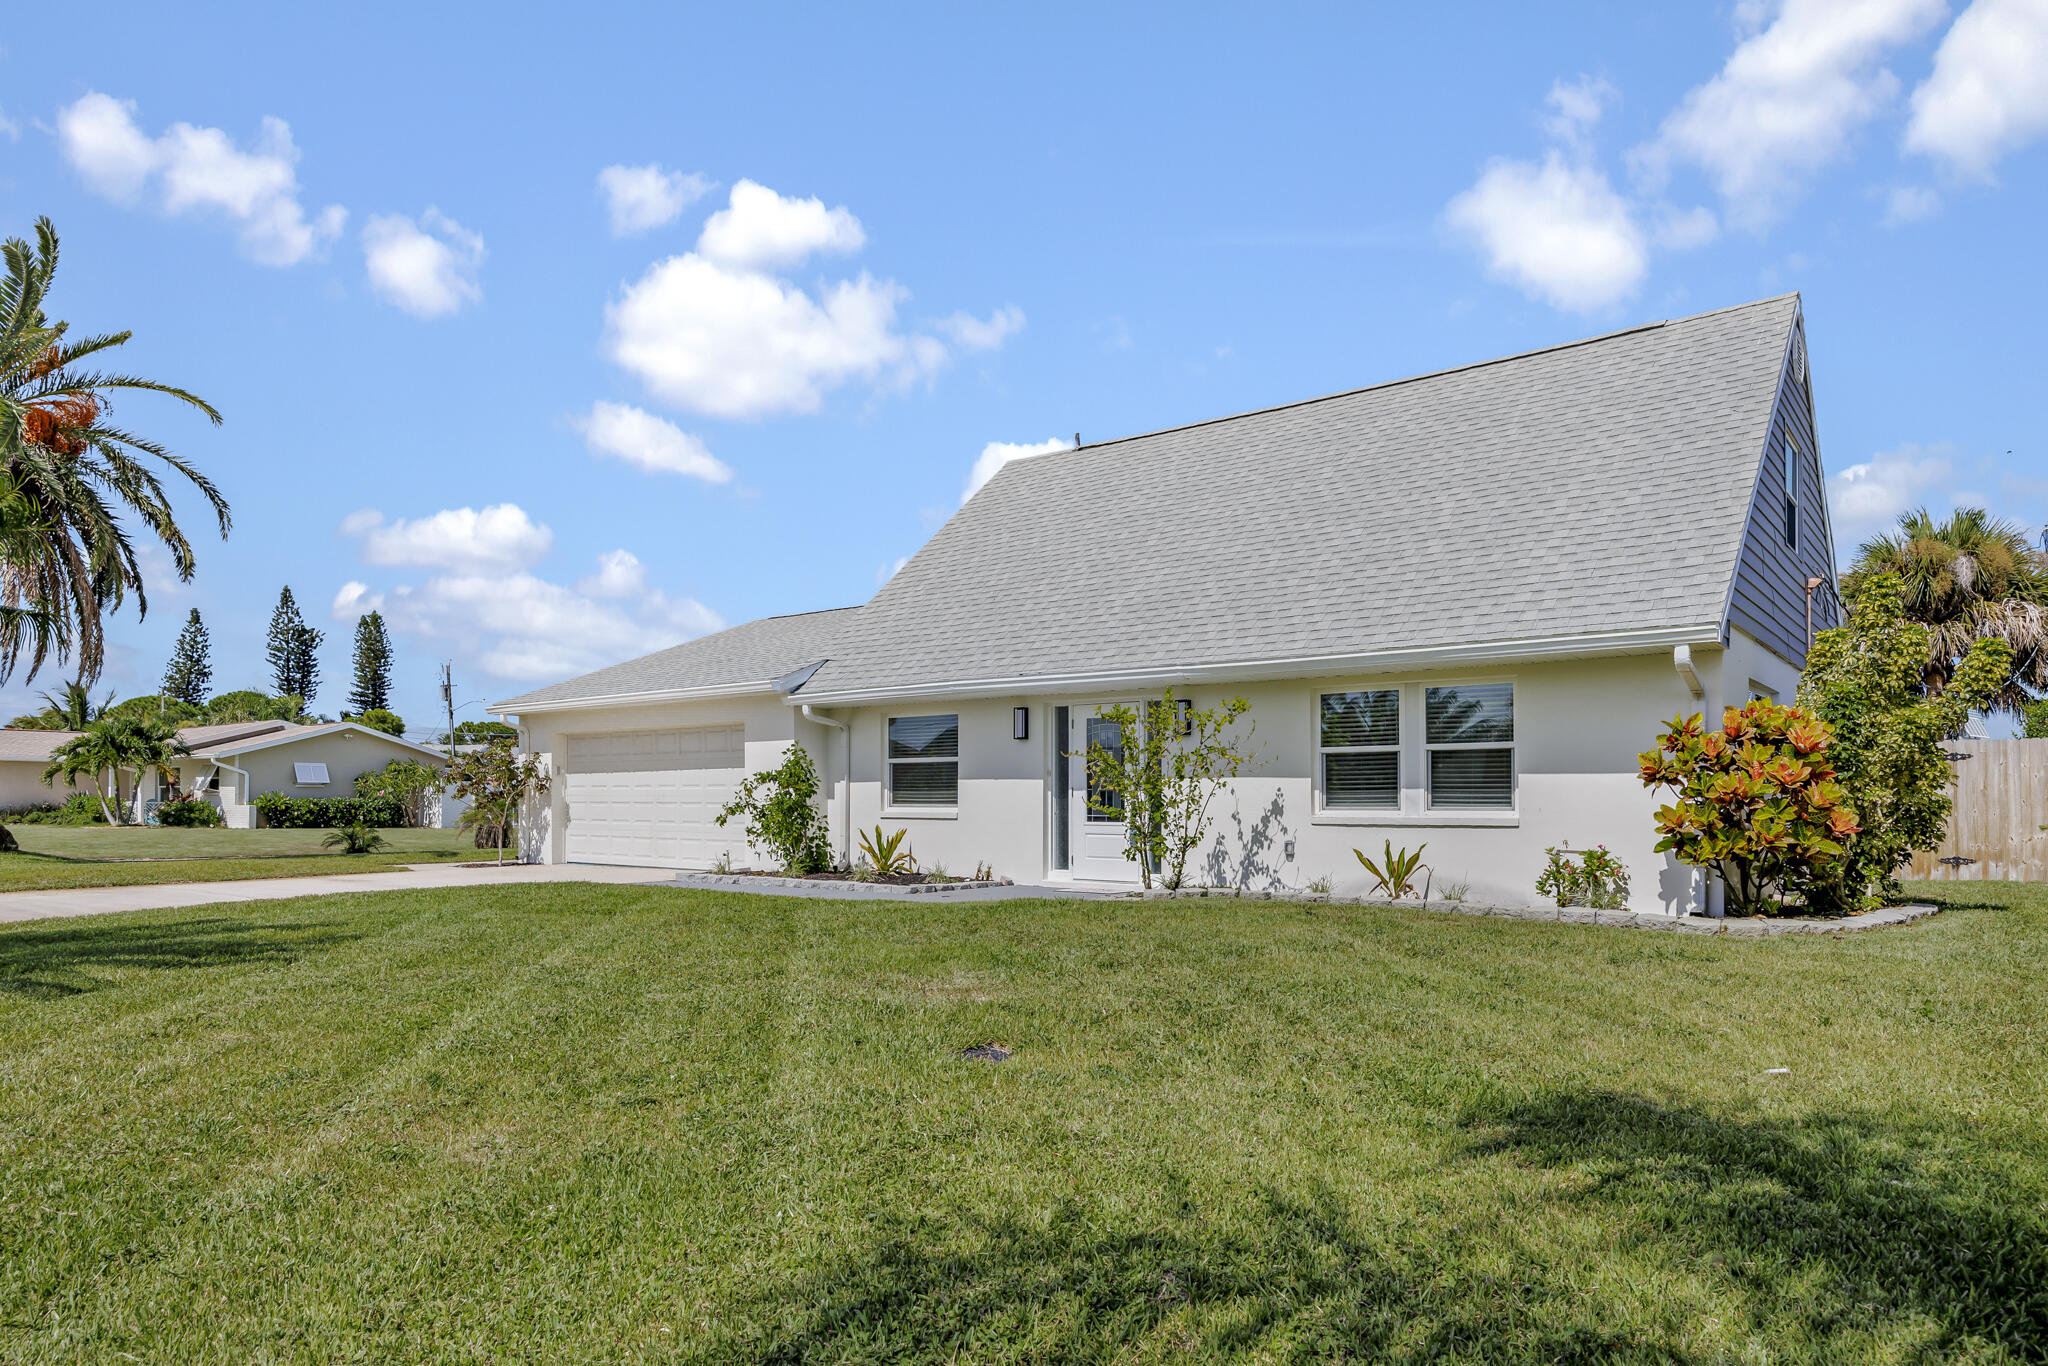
1459 604
230 765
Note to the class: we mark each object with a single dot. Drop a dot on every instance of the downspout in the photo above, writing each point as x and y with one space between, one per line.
1681 660
846 744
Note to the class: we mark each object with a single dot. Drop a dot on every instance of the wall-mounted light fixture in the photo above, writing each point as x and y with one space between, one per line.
1186 706
1020 723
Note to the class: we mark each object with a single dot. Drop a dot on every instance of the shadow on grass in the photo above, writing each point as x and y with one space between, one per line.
65 960
1833 1228
1283 1281
1828 1240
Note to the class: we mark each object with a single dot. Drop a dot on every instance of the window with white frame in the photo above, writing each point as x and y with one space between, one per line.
1469 741
1358 741
924 760
1791 493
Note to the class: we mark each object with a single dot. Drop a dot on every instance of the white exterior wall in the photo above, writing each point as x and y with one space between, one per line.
21 784
1578 726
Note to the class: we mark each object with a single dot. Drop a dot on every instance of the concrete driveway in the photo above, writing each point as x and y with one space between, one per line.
15 906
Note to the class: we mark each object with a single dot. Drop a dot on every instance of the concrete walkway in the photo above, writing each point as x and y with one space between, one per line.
15 906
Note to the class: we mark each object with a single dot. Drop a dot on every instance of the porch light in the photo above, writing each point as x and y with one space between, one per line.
1020 723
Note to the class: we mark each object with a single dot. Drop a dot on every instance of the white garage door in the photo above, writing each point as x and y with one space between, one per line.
651 797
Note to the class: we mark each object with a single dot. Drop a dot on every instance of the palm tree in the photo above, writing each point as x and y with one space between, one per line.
70 709
75 473
1972 577
109 745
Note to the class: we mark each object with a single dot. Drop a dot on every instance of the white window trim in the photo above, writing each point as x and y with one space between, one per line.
1322 750
1794 458
890 808
1415 809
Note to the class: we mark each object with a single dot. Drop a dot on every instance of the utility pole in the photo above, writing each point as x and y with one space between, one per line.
448 701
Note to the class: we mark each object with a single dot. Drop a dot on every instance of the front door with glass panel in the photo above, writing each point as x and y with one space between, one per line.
1098 836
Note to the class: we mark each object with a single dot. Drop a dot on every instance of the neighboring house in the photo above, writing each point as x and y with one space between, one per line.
231 764
1459 605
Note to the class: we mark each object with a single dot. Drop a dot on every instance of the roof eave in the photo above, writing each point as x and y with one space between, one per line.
1648 640
517 706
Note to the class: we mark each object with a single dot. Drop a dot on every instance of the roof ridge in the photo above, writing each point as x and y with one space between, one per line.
1432 374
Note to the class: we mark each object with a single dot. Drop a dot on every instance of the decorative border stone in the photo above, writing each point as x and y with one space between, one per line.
831 885
1881 918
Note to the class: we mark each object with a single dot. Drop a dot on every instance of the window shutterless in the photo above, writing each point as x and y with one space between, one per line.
1358 741
924 760
1469 738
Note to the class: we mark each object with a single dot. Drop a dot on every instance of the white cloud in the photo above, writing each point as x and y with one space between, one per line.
997 454
199 171
496 539
970 333
1988 94
1575 106
619 575
653 444
1868 498
354 599
1910 204
644 197
521 629
1557 231
1788 99
9 129
1683 229
760 228
426 268
737 343
715 331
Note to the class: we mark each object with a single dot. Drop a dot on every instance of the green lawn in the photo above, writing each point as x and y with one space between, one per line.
103 856
578 1123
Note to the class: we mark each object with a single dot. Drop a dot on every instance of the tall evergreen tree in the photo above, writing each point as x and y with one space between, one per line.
190 673
293 651
372 690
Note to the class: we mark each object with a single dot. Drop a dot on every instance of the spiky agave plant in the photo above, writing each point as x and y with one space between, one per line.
76 475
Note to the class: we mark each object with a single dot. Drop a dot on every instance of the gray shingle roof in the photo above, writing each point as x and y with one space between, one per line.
1596 487
756 653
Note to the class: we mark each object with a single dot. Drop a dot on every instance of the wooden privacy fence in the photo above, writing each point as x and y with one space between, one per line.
2001 803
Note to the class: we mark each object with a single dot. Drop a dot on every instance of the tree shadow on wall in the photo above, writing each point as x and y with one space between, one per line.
1253 864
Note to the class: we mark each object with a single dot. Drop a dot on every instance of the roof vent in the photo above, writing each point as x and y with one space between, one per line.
1799 356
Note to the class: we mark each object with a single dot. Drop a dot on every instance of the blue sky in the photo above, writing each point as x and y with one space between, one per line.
563 335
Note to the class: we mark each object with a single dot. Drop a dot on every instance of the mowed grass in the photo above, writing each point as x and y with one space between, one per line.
104 856
575 1123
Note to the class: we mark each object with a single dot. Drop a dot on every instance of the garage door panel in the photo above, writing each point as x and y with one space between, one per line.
653 797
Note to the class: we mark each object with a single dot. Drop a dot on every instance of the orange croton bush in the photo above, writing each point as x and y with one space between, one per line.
1756 798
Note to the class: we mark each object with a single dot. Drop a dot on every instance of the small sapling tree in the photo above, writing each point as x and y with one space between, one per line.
498 782
1171 760
782 814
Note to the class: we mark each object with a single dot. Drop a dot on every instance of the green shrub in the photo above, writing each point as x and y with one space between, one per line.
354 839
1757 800
80 808
190 813
281 812
7 844
1588 877
376 718
782 813
405 782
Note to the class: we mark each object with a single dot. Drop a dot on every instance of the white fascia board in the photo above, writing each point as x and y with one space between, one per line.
1654 640
632 699
273 741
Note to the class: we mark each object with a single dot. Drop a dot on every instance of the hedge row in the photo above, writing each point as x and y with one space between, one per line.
305 813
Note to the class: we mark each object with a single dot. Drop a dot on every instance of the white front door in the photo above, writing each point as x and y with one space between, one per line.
1098 838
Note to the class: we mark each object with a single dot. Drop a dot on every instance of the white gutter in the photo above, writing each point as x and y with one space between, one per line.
846 744
1651 641
517 707
1681 660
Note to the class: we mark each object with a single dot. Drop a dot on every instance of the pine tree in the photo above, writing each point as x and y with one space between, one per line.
190 672
372 691
293 651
